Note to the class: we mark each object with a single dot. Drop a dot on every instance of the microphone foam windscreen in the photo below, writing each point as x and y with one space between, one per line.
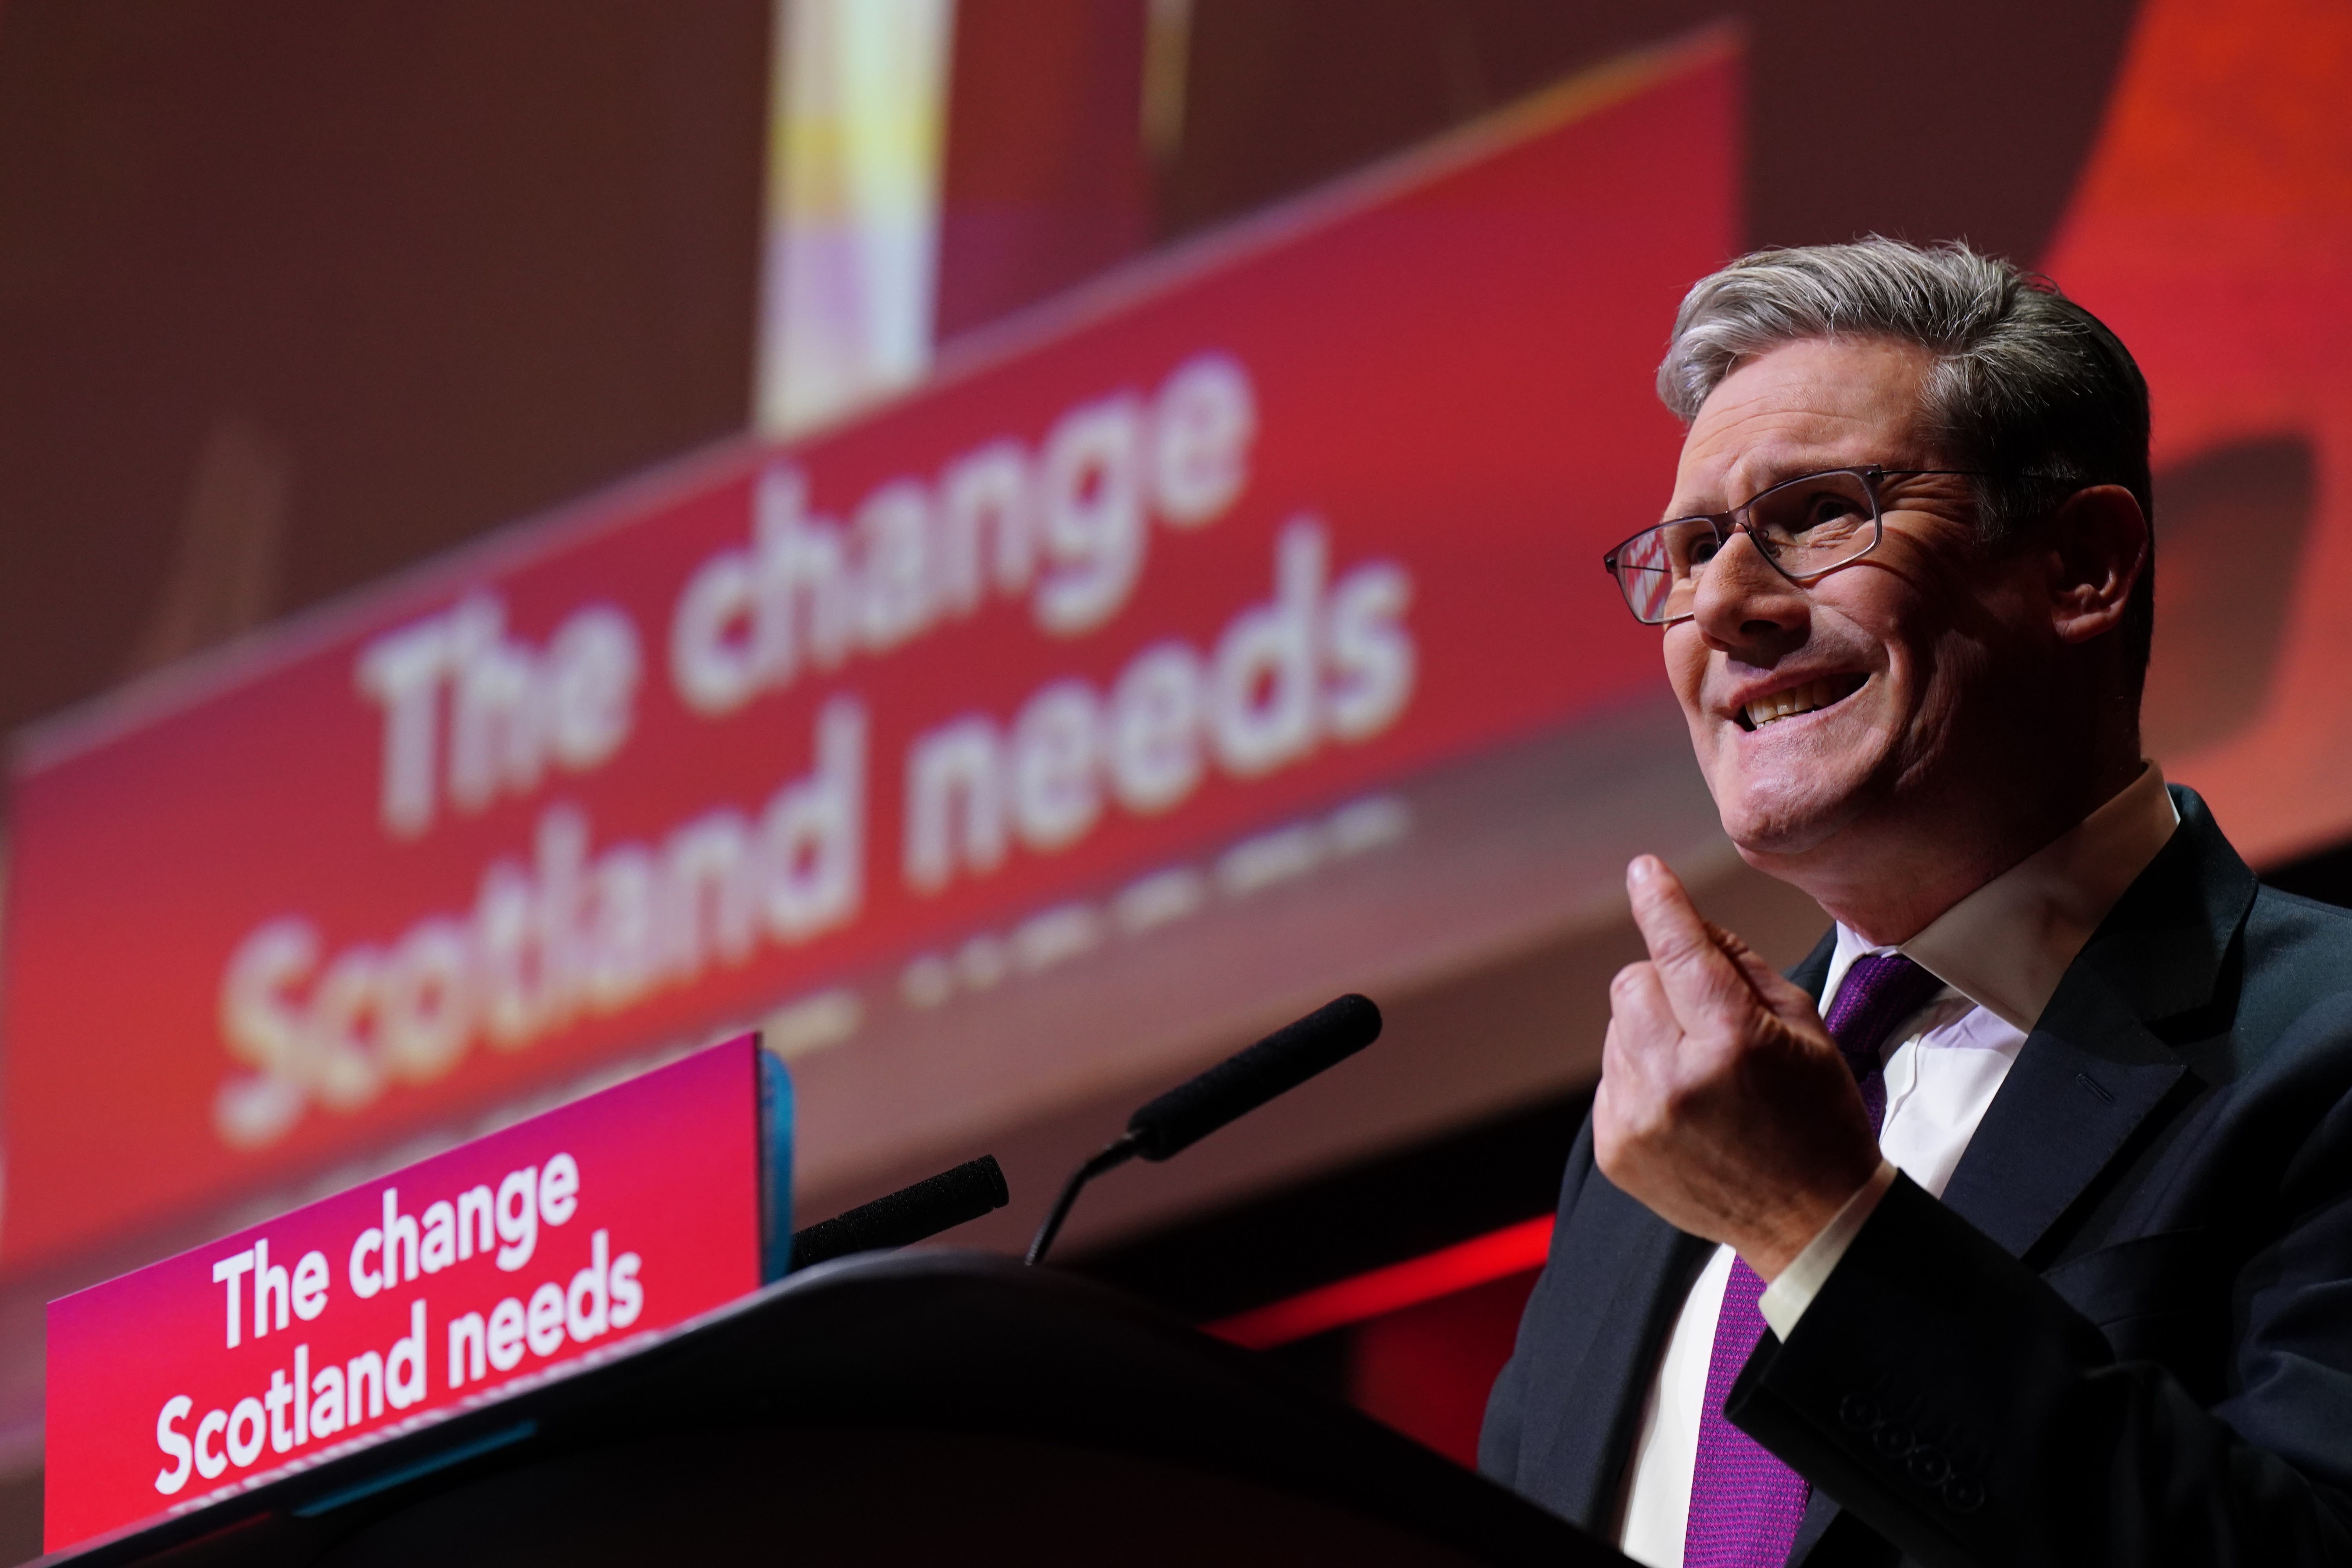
931 1205
1240 1084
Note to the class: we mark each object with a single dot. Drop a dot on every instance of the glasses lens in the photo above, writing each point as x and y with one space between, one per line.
1659 567
1809 525
1803 527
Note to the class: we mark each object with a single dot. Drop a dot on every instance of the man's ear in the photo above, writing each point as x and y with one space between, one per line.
2098 549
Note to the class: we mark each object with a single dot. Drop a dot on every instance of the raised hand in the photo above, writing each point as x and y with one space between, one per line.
1724 1107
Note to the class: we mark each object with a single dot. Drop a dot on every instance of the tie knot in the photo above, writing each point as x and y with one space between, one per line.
1879 991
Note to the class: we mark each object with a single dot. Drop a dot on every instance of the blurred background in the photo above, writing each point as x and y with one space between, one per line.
1012 546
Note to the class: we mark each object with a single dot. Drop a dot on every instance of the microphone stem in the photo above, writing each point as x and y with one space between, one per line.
1115 1154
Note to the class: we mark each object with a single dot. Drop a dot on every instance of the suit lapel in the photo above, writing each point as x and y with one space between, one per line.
1627 1272
2096 1064
1814 972
2085 1080
1822 1510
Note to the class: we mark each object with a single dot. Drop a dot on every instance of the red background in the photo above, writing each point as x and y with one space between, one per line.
1440 358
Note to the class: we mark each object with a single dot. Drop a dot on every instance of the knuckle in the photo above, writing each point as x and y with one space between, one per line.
1676 945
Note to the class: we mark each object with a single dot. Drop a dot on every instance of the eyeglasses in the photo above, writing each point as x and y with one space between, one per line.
1802 527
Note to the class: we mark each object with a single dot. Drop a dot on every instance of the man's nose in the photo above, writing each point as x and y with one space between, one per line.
1743 604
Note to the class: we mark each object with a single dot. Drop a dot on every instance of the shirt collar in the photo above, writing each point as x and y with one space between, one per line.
2006 946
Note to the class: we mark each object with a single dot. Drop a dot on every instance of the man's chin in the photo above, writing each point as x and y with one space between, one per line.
1771 827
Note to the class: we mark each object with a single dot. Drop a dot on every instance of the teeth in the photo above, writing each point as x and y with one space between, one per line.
1798 700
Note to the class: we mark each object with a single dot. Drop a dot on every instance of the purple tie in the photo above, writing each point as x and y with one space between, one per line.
1745 1504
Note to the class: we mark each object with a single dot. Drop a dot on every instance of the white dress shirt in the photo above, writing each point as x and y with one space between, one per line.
2000 953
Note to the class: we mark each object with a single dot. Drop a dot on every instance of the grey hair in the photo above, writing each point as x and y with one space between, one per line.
2027 386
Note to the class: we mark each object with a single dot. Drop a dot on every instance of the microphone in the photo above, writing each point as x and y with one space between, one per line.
1233 1088
930 1206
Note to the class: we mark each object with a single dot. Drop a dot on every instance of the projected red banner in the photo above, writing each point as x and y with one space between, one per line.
1315 507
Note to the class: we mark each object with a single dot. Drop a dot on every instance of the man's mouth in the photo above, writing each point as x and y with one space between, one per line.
1805 698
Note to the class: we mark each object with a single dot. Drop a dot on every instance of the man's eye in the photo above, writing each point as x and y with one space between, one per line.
1702 551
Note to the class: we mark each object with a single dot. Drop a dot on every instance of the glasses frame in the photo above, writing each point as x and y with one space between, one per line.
1727 525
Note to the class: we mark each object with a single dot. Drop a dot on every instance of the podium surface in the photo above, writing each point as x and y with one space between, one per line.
888 1408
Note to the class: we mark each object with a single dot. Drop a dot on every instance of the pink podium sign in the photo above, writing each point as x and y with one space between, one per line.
573 1235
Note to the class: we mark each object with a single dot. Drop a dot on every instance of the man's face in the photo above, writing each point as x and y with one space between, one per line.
1866 695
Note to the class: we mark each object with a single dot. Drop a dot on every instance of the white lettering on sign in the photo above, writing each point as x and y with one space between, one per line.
563 930
1324 660
448 1233
1067 527
293 1411
231 1271
605 1296
510 708
304 1292
570 932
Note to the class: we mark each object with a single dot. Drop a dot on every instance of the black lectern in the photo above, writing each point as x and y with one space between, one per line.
911 1408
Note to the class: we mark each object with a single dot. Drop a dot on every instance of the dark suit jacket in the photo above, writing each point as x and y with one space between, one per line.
2123 1335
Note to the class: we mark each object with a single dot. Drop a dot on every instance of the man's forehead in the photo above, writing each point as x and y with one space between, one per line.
1804 406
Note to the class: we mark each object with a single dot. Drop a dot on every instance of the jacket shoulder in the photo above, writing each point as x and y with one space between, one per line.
2289 919
2298 953
2281 1020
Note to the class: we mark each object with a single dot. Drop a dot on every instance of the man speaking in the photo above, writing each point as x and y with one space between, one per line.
2015 1224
